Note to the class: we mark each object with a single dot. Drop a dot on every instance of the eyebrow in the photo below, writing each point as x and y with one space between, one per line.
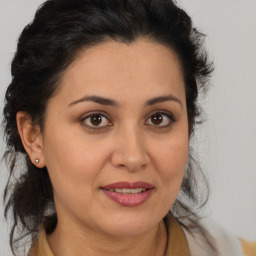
163 99
110 102
96 99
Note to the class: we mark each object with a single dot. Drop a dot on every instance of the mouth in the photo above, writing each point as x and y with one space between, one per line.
128 194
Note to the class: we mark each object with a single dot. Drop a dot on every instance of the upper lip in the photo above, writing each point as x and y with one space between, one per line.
133 185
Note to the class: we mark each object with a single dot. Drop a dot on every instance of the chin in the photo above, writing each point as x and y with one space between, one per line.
130 225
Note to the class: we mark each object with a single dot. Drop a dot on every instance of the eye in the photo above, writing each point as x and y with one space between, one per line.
95 120
160 119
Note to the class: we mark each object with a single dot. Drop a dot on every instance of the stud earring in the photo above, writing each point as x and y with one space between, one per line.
37 161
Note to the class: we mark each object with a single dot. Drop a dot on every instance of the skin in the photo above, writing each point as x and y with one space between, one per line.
127 146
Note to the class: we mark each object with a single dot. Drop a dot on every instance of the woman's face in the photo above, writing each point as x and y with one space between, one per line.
115 140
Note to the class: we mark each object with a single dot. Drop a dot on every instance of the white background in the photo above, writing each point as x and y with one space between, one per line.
227 141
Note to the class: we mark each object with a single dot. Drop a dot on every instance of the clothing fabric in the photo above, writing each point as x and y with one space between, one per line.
249 248
180 242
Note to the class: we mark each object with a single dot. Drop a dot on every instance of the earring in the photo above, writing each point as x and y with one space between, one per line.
37 161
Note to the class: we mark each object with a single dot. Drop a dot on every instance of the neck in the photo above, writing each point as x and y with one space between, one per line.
74 241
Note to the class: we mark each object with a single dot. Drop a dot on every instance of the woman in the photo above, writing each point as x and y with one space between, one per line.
99 114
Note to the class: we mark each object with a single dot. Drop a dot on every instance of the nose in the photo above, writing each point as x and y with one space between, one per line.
130 151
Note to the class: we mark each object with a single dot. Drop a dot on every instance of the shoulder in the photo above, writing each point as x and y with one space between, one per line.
210 239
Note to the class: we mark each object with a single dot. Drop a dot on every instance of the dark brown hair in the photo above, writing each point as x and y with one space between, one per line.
47 46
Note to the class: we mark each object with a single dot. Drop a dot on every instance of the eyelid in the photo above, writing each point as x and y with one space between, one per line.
103 113
162 112
88 115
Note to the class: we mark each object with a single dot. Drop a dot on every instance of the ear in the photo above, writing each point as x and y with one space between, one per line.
31 138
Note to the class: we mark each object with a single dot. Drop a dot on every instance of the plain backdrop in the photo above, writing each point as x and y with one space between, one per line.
226 143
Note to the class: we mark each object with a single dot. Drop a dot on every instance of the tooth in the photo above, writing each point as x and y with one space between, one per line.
128 191
136 190
118 190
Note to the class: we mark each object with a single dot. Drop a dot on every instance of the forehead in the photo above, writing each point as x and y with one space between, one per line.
142 67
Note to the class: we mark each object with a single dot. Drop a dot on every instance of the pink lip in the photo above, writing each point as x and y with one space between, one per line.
128 199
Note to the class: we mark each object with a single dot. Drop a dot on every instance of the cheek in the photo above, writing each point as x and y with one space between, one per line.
171 164
71 166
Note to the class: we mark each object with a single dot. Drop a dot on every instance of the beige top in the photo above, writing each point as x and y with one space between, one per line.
249 248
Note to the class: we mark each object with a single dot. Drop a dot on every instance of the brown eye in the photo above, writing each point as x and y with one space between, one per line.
160 119
156 119
94 121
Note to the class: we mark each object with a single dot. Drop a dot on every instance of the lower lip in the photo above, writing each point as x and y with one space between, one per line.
128 199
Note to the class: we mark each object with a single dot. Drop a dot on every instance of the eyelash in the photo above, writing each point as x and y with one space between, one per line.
83 119
158 112
165 114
